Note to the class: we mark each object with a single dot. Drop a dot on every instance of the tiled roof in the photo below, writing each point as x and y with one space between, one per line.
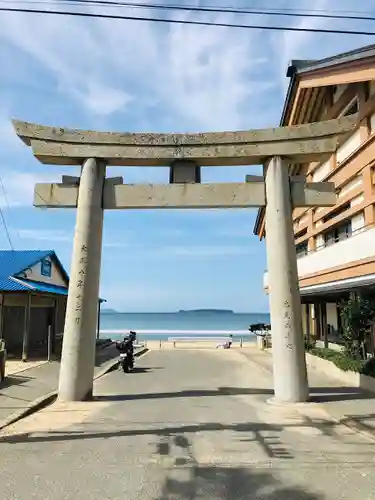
13 262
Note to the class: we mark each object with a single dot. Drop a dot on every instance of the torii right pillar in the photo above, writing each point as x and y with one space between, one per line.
288 350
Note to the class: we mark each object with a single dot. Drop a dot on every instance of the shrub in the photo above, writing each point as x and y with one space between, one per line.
309 343
356 316
340 359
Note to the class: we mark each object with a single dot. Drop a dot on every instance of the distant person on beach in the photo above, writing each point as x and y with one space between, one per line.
227 344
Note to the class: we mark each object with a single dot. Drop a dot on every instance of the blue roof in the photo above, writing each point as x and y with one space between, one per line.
13 262
46 288
43 287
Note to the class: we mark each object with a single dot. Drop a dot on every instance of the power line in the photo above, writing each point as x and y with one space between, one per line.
3 217
187 22
8 205
221 10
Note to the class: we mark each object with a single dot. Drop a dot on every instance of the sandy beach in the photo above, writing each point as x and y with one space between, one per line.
204 344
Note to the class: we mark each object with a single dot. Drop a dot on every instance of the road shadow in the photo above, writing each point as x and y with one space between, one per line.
146 369
194 393
137 369
231 483
317 394
12 380
187 479
332 394
267 435
361 422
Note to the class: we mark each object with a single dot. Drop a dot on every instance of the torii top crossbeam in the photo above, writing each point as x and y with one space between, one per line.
302 143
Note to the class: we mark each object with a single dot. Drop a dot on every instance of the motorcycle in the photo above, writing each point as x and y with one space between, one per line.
126 361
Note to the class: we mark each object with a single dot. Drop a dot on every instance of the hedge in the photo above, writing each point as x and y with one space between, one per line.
344 363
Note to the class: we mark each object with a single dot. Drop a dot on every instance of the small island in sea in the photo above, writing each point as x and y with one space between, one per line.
205 311
108 311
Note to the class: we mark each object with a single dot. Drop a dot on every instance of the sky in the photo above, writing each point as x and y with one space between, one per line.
132 76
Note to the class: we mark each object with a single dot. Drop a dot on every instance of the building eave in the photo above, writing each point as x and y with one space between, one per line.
298 68
343 58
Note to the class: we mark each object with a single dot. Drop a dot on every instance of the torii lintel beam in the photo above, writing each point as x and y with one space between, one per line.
184 196
301 143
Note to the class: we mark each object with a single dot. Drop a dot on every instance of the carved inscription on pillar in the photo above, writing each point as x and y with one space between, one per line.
80 282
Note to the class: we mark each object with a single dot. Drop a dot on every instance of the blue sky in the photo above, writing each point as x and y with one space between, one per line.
133 76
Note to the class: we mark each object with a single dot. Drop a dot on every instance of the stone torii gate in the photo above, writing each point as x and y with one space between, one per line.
185 154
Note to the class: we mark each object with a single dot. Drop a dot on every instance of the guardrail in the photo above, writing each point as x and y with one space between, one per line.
203 339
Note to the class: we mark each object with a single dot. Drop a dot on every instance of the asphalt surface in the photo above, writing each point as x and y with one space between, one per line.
187 425
19 390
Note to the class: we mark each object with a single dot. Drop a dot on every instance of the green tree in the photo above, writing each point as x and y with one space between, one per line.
356 317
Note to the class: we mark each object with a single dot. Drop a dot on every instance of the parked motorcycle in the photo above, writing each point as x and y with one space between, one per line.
126 348
126 361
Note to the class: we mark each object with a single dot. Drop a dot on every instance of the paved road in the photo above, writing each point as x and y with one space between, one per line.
187 426
19 390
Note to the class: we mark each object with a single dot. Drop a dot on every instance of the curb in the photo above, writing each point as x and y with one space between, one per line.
25 369
34 406
46 400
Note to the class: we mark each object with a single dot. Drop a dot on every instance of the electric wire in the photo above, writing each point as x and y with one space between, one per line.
186 8
188 22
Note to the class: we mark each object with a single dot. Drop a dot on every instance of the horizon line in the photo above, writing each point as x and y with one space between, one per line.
182 310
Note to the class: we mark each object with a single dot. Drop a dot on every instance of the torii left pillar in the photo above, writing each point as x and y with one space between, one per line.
78 354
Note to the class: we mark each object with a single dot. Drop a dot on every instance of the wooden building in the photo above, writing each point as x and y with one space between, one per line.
335 246
33 296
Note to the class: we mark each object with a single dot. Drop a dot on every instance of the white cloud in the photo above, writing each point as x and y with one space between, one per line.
204 77
52 235
203 74
103 100
19 187
7 134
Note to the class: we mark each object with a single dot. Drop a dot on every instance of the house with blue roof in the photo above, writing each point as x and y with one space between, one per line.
33 296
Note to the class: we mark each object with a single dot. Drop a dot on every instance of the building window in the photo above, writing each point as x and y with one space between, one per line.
46 268
338 233
338 211
301 233
301 249
351 109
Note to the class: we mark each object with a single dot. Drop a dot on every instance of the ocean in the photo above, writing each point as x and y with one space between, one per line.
156 326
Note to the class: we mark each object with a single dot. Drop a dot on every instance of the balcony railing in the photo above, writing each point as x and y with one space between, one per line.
357 246
343 237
